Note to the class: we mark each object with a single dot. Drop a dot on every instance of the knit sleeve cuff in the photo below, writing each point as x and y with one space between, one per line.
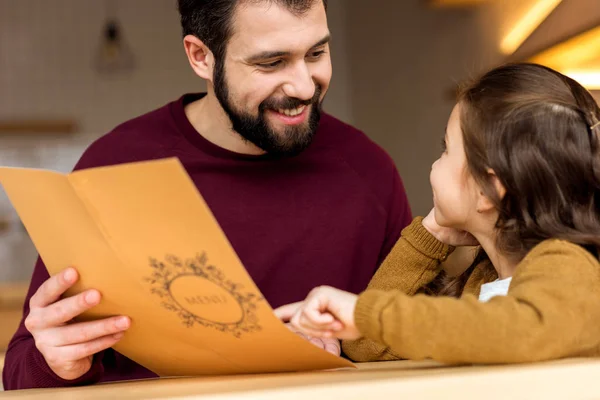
367 314
420 238
44 377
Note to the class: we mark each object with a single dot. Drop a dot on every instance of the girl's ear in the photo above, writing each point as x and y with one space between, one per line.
484 203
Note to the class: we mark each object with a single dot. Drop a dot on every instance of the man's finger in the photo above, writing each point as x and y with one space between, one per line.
297 332
65 310
313 333
317 342
285 313
89 331
53 288
79 351
332 346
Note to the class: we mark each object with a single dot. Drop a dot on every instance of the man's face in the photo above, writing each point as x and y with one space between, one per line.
275 75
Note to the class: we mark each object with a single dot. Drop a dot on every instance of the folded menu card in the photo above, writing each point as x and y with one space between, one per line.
143 236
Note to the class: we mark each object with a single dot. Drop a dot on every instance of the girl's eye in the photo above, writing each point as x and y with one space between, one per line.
444 148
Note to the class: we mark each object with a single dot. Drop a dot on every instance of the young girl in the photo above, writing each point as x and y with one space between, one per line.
520 176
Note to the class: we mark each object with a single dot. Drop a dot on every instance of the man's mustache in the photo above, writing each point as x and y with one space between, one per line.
289 103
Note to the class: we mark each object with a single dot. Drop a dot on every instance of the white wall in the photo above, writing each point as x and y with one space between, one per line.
339 98
405 59
47 51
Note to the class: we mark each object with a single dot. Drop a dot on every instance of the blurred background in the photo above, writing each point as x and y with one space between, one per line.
71 70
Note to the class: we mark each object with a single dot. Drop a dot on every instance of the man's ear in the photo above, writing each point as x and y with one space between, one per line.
200 57
484 203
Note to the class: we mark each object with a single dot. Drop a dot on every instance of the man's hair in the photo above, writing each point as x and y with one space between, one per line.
211 20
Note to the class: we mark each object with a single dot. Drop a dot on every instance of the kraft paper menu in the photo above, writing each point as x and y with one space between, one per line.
143 236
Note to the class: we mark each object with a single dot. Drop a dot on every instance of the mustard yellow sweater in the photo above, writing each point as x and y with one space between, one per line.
552 309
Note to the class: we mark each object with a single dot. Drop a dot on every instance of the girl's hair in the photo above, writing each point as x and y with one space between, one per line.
539 131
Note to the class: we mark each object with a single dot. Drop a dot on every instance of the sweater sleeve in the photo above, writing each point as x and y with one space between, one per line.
414 261
551 311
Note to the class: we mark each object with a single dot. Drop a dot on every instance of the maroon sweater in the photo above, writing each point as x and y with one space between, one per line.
326 217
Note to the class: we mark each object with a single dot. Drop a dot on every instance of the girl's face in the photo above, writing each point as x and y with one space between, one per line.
455 192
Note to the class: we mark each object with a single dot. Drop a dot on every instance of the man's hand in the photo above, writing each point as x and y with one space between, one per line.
326 313
67 347
330 345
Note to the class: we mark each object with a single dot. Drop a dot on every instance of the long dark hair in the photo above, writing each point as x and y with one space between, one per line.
539 131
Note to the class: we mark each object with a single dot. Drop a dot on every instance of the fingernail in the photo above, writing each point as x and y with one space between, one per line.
333 349
122 323
118 336
92 297
69 275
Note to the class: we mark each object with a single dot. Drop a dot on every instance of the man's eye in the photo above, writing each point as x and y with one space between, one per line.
316 54
270 65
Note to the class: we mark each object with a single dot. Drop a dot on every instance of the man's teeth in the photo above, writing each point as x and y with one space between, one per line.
291 112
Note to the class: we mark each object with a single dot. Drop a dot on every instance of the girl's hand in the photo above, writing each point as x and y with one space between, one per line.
326 313
449 236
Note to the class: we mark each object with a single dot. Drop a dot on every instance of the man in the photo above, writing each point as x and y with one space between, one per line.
304 199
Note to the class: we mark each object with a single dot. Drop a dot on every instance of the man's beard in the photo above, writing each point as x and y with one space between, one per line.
256 129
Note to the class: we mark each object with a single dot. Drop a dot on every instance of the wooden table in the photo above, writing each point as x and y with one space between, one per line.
566 379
